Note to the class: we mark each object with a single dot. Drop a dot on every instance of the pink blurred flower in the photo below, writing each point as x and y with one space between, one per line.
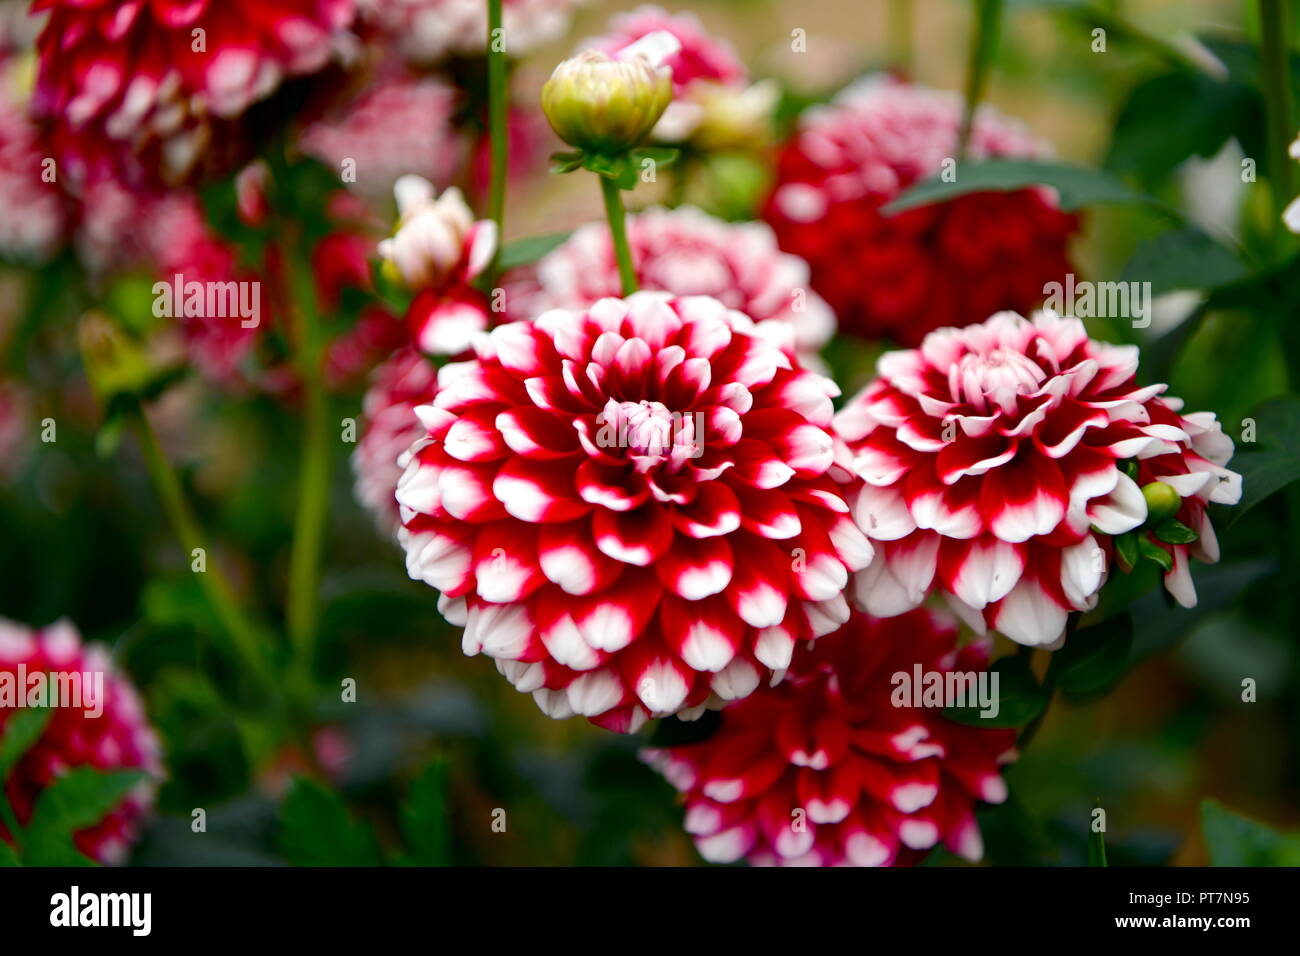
686 252
123 77
426 31
390 426
118 738
901 276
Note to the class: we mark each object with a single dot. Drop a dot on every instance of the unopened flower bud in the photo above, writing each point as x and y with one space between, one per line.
606 105
1162 500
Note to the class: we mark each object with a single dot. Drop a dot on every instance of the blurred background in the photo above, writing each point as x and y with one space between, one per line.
82 535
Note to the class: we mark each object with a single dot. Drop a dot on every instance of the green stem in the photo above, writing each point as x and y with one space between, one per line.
497 128
216 589
1273 34
313 483
902 28
984 41
618 231
10 820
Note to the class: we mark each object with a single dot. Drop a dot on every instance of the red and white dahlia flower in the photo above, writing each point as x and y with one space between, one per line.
117 738
824 769
633 508
137 74
438 249
426 31
686 252
950 263
995 466
390 426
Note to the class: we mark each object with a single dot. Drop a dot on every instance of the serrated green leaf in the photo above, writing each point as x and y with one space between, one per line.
1153 552
1093 658
317 830
78 799
522 252
1173 531
1020 697
1234 840
1076 186
23 728
424 818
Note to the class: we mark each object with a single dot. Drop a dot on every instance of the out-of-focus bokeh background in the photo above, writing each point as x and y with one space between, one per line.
82 536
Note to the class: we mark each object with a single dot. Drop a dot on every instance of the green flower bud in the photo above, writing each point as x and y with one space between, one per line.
115 363
1162 500
603 105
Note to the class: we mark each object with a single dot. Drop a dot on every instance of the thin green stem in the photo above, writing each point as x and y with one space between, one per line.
313 483
902 30
618 232
1273 33
10 819
216 589
497 128
983 44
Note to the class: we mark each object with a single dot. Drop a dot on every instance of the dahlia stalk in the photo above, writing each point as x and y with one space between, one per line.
497 109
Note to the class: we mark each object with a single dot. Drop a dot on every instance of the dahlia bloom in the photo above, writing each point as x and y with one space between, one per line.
686 252
390 426
438 250
950 263
996 461
128 75
119 738
634 508
823 769
426 31
401 124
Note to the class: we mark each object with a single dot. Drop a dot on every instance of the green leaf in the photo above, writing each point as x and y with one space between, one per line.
7 855
1153 552
1096 843
23 728
523 252
1076 186
1271 462
1234 840
1182 259
566 162
316 829
80 798
1093 658
425 820
1174 531
1168 119
1126 550
660 155
1020 698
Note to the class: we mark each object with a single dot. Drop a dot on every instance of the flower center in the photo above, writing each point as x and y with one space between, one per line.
646 429
1000 375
